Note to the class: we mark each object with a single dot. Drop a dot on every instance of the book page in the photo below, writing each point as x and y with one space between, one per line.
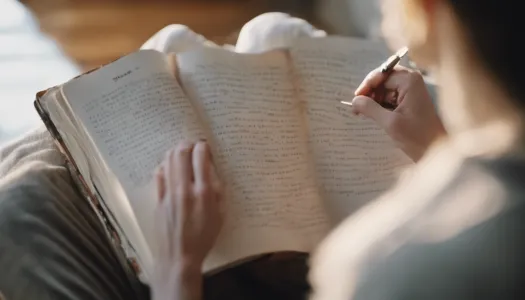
260 144
133 111
355 159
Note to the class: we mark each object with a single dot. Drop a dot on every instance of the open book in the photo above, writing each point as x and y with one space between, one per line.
294 160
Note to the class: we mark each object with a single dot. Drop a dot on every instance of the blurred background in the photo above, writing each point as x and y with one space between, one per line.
93 32
46 42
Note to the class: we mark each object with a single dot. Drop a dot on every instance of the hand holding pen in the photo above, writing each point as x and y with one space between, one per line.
397 99
373 85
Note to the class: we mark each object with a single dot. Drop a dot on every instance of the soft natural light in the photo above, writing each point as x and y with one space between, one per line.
29 62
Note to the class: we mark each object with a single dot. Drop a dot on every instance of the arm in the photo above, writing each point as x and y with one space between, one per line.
188 221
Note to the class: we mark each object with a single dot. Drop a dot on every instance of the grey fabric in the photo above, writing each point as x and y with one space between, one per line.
52 245
485 262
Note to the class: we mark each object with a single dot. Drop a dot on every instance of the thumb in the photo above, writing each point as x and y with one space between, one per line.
369 108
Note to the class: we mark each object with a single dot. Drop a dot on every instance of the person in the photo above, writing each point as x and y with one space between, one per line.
452 227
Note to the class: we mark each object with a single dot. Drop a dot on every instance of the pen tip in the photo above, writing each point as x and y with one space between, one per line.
402 52
347 103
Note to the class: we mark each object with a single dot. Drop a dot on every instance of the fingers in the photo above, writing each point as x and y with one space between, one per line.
190 169
207 185
178 177
391 96
370 108
401 78
371 81
181 165
201 163
163 218
189 219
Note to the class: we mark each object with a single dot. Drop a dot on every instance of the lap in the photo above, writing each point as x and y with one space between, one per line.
52 245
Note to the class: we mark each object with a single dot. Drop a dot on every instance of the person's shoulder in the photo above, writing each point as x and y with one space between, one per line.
448 223
468 243
378 228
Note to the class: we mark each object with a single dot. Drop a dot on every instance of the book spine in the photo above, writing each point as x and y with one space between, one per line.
47 122
91 196
51 128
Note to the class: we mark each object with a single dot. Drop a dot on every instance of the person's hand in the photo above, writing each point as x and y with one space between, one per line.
188 220
414 123
189 194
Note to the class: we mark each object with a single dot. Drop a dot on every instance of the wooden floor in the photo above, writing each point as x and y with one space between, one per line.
94 32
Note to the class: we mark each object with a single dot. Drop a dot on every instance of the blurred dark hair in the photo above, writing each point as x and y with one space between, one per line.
495 29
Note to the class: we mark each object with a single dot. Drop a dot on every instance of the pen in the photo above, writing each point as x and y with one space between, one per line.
386 68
